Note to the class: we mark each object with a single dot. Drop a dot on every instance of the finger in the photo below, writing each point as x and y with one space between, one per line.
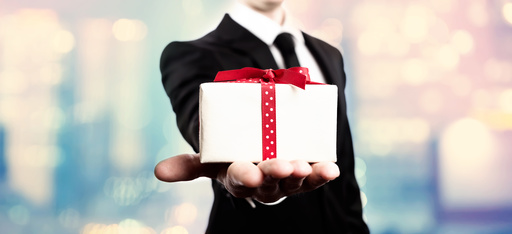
302 169
327 170
269 187
276 168
322 173
186 167
269 191
243 174
179 168
242 178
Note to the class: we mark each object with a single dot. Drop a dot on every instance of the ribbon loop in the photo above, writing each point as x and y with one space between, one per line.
296 76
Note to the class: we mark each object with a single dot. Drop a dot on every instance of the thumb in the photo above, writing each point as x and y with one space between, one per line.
178 168
184 167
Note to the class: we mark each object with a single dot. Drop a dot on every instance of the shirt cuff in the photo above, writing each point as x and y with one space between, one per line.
253 205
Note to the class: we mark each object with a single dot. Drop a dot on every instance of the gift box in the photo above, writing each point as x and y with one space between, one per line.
260 115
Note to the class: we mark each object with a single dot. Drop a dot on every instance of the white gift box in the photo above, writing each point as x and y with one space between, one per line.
231 122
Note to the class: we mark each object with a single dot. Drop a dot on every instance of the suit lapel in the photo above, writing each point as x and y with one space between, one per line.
237 37
330 70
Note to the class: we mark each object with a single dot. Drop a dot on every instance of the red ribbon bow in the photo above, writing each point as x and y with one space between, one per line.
297 76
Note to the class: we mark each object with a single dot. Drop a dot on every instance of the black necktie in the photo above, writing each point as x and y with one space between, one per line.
284 42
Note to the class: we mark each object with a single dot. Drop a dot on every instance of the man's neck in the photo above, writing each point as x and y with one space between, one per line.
277 14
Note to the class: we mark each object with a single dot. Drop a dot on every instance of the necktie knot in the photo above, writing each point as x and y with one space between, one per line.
284 42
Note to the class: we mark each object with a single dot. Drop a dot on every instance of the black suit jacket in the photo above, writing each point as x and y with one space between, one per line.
332 208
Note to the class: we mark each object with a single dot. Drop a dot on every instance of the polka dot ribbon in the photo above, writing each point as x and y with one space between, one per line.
297 76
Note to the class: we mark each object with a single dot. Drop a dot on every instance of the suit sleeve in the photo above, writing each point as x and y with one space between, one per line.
184 66
347 182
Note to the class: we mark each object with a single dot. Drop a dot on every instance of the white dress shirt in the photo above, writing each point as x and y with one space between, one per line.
267 30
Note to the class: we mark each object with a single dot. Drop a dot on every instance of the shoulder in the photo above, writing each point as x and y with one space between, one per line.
188 46
182 51
321 45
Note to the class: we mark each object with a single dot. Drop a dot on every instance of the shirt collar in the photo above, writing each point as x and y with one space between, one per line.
266 29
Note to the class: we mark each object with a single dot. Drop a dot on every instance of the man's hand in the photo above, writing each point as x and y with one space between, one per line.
268 181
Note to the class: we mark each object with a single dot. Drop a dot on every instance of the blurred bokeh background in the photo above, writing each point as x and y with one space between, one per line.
84 118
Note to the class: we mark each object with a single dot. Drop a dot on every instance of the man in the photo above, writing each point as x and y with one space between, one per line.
274 196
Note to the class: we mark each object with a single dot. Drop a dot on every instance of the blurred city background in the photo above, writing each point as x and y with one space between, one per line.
84 117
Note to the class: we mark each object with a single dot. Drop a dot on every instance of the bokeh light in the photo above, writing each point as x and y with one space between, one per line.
447 57
416 23
127 226
19 214
185 213
63 41
129 30
507 12
415 71
462 41
175 230
467 139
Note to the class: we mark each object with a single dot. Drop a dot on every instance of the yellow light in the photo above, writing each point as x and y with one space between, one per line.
185 213
442 5
462 41
132 226
415 71
93 228
416 22
507 12
467 139
369 43
127 226
111 229
397 45
175 230
498 120
13 82
467 163
63 41
448 58
46 156
505 101
129 30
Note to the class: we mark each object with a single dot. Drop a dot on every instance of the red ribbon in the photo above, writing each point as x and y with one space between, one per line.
297 76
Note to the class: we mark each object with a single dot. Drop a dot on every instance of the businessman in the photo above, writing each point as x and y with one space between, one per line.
274 196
